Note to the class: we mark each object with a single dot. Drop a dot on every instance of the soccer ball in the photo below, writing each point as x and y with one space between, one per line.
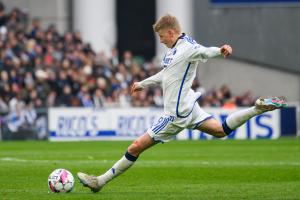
61 180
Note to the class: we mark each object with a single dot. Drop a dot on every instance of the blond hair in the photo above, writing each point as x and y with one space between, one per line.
167 22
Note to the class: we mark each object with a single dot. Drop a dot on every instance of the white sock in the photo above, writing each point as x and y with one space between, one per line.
238 118
118 168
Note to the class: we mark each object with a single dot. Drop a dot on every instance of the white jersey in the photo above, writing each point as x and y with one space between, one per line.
176 78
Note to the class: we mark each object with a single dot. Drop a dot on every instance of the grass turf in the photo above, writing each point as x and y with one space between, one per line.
217 169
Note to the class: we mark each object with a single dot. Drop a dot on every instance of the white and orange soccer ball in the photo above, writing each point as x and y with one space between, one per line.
61 180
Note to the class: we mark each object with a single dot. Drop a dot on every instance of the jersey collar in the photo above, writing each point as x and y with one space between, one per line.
180 37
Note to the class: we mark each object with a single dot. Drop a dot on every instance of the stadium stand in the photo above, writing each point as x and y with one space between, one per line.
46 68
43 68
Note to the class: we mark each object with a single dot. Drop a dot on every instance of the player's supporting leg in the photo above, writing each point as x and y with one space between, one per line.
133 151
236 119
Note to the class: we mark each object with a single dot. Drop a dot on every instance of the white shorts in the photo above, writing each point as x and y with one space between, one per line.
166 127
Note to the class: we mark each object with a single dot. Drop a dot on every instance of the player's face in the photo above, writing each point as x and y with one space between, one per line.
166 37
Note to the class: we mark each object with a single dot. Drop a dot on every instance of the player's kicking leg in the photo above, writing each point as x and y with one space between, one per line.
95 183
236 119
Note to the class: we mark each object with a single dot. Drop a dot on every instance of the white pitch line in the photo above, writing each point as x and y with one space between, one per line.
169 163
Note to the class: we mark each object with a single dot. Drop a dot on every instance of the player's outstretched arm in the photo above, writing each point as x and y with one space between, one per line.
151 81
203 53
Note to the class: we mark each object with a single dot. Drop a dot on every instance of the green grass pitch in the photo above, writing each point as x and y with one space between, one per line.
217 169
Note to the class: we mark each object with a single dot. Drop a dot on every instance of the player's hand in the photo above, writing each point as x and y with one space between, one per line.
135 88
226 50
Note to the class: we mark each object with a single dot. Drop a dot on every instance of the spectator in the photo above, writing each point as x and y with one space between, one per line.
3 106
3 17
46 68
157 98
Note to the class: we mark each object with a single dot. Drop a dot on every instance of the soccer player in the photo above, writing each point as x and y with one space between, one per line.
181 109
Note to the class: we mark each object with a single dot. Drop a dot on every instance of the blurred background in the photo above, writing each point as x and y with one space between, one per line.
63 58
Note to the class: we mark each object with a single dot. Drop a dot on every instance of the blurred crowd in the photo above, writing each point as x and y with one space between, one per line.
43 68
